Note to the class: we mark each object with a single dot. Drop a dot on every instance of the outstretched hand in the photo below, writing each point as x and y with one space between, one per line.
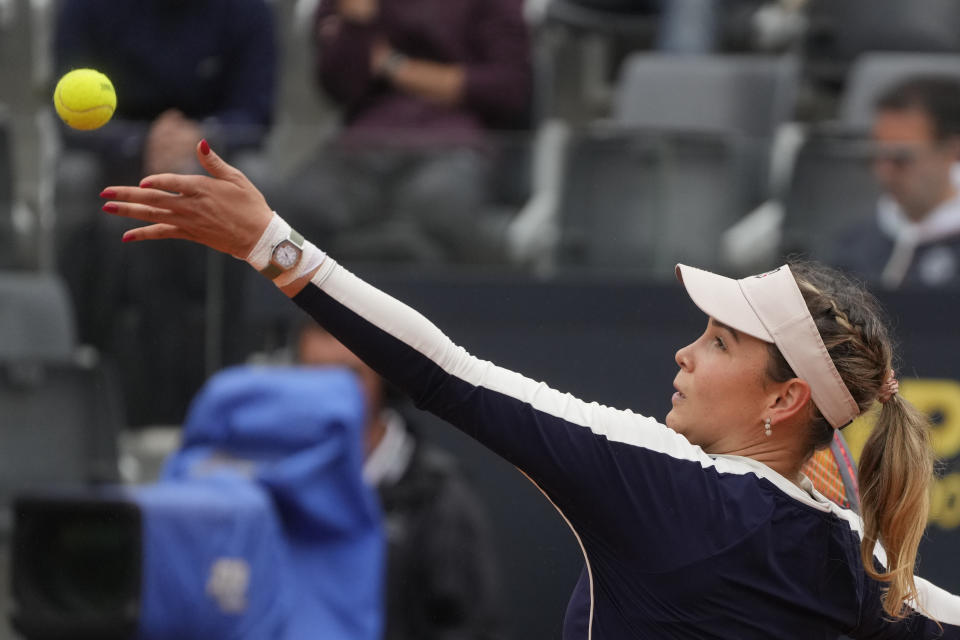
223 211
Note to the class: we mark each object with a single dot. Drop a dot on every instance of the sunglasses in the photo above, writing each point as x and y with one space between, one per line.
901 156
898 157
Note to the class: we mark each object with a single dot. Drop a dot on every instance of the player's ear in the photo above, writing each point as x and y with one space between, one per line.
793 396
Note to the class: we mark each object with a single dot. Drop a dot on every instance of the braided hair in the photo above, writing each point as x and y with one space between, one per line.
896 465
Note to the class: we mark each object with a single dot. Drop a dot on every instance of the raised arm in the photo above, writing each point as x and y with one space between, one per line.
594 462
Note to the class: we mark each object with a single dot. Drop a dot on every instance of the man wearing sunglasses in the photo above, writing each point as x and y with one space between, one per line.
914 238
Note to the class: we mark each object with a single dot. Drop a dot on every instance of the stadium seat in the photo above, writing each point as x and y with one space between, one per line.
8 238
872 73
841 30
36 318
641 201
61 413
742 94
608 189
59 428
830 187
739 96
859 26
682 160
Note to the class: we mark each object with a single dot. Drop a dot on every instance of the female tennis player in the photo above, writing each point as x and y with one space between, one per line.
700 527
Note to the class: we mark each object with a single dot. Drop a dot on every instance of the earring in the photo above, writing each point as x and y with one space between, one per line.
766 427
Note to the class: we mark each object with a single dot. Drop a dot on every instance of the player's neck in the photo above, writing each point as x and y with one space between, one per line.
777 451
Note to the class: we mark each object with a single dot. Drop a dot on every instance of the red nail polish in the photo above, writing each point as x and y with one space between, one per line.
145 184
127 238
108 193
111 207
204 147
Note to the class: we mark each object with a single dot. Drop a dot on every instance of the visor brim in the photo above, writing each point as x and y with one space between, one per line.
722 298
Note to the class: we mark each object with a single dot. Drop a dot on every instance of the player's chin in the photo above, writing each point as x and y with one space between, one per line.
672 420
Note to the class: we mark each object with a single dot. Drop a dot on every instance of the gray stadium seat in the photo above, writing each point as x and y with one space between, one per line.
747 97
873 73
683 161
744 94
8 239
831 187
841 30
641 201
36 318
608 196
849 28
59 415
59 427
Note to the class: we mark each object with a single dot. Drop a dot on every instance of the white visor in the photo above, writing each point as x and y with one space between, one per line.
771 308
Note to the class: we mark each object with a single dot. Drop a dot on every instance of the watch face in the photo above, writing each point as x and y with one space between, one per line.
286 254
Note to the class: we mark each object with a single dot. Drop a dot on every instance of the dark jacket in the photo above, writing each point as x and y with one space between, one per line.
864 251
441 565
214 60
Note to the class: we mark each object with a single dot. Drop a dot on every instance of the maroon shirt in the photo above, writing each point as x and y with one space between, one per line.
488 37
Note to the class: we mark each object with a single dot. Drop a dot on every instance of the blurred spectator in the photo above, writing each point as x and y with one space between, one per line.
913 237
183 70
441 564
690 26
680 26
709 26
419 85
778 25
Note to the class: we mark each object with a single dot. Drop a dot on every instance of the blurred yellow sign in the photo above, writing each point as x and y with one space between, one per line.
940 399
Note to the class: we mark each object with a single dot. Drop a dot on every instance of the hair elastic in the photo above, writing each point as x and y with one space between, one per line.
891 386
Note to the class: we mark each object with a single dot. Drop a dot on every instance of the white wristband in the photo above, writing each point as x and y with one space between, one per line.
310 259
277 231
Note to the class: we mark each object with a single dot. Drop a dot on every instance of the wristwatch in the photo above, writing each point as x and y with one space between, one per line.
391 63
285 255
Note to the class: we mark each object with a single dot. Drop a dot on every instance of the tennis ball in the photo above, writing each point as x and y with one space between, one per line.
85 99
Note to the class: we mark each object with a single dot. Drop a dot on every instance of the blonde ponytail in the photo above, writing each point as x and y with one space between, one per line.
896 470
896 466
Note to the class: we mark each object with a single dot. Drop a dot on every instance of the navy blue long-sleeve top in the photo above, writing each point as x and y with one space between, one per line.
214 60
677 543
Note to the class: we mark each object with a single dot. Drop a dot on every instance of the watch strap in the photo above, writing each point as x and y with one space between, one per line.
276 231
391 63
271 271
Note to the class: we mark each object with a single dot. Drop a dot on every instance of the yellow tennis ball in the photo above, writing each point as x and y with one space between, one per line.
85 99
